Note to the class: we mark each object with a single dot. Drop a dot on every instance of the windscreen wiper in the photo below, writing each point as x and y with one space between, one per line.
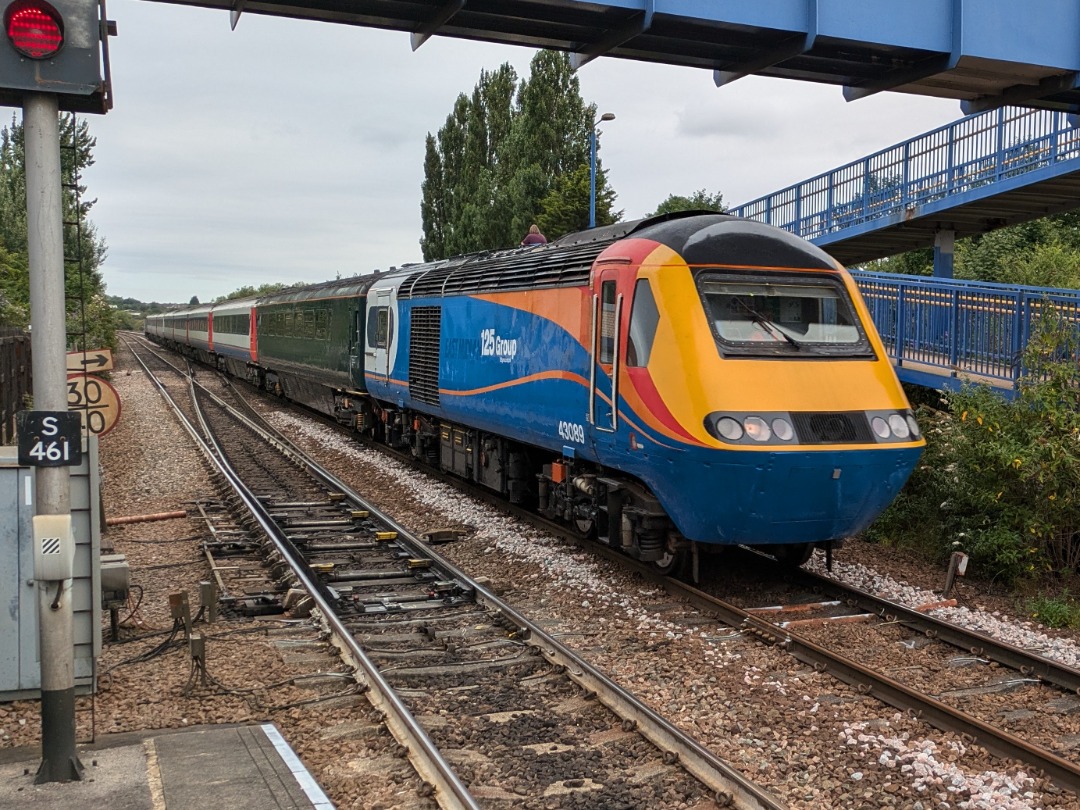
768 325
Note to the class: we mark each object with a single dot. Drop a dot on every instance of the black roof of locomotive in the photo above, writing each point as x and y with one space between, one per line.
700 237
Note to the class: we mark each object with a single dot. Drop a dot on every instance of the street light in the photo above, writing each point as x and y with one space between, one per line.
592 166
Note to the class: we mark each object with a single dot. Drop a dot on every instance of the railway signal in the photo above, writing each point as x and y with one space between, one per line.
59 47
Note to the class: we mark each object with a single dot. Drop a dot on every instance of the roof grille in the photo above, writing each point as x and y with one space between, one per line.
552 266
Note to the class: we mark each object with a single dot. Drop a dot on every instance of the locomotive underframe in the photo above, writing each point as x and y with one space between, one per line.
618 510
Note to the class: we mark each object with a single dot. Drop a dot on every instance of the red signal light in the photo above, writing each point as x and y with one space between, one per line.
35 28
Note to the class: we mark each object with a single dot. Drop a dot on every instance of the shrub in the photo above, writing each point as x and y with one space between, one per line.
1000 479
1055 611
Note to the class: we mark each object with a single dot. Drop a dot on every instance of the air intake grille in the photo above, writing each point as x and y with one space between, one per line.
846 427
426 326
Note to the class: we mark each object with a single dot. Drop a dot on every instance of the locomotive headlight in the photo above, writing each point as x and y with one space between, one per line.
880 427
899 426
915 432
757 429
782 429
729 428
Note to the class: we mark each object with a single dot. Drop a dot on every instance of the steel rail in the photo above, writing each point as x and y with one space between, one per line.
1064 773
1027 663
728 784
450 792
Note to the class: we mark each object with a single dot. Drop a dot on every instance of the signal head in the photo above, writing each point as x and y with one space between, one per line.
35 28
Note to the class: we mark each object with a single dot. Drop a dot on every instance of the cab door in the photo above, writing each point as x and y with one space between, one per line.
606 363
379 331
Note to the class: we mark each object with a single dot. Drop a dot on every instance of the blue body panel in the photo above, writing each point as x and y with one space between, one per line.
509 391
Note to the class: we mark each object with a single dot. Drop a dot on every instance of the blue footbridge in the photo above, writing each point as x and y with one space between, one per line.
983 172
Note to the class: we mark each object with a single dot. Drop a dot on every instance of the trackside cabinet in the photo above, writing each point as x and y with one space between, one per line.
20 665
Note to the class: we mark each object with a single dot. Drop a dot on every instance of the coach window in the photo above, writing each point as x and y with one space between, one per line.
607 322
644 318
322 318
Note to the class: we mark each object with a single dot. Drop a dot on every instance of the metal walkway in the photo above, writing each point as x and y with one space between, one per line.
942 333
976 174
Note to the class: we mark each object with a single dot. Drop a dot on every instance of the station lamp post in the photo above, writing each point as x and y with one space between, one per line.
592 166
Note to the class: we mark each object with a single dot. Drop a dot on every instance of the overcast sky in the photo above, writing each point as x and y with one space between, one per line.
289 151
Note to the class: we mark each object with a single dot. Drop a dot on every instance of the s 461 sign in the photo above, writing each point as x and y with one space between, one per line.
49 438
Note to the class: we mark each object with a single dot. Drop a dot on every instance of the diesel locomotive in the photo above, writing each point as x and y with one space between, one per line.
673 385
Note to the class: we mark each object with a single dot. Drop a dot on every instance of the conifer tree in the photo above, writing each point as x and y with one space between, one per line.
502 152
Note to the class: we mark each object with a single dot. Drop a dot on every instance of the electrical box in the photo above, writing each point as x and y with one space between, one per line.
20 663
115 580
54 548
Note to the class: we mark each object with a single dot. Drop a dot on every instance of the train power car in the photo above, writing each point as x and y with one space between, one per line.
675 384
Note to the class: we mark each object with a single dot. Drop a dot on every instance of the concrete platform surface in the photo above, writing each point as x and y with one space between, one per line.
234 767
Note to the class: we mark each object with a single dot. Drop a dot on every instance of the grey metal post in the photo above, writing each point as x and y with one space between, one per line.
44 225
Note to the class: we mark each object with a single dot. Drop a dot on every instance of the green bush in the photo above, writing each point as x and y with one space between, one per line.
1055 611
1000 479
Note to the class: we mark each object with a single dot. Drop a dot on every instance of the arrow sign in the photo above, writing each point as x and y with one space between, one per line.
90 361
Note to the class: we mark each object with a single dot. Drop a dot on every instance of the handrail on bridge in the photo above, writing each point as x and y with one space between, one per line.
956 158
944 332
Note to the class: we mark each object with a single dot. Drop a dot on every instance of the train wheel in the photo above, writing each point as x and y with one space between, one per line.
673 563
584 526
793 555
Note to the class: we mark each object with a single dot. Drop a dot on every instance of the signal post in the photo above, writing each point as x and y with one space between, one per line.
51 59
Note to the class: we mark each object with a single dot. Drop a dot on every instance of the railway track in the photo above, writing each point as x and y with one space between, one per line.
948 676
487 706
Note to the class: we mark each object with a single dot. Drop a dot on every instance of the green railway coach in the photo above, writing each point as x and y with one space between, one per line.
310 341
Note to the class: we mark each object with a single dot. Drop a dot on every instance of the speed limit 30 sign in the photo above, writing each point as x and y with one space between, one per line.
96 400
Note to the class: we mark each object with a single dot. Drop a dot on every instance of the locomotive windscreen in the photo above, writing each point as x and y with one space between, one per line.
803 314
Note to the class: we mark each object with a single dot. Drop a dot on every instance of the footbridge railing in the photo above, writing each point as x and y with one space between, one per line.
944 332
949 161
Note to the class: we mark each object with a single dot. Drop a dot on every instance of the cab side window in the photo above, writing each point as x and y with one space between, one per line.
608 326
644 318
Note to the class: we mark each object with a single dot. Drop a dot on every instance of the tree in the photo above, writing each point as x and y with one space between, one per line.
565 208
194 302
254 292
89 316
1044 253
499 155
700 200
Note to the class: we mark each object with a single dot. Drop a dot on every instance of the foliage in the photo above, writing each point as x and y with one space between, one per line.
1044 253
14 289
565 208
90 319
507 156
135 305
999 479
1055 611
250 292
700 200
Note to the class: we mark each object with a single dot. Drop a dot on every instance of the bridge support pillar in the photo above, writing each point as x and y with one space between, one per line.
944 242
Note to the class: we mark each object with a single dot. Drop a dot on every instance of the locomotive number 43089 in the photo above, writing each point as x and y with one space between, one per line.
570 432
